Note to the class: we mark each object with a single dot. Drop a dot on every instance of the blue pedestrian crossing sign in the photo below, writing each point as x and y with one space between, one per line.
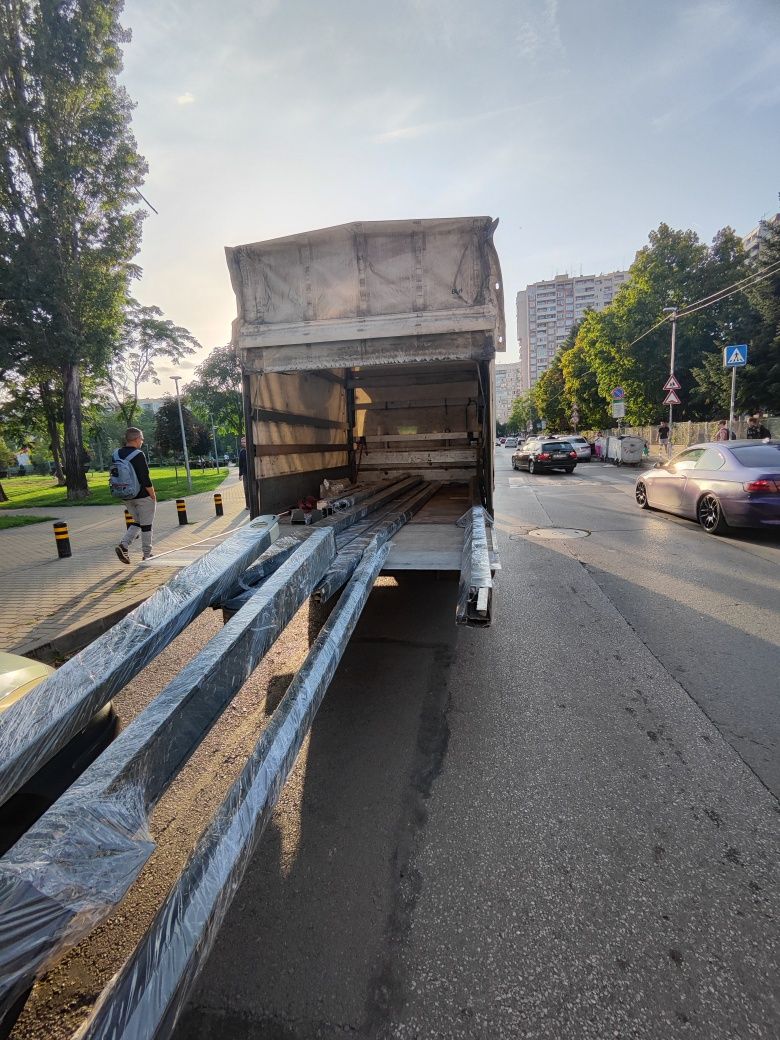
735 356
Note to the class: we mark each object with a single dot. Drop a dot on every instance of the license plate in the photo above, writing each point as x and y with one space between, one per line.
558 455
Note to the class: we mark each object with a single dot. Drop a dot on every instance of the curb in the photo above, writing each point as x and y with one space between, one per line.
68 643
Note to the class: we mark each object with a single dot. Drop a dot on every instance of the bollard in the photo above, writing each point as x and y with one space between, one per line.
63 539
218 505
128 519
181 506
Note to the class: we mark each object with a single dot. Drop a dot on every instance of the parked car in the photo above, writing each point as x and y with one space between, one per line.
18 676
510 442
580 445
539 455
719 485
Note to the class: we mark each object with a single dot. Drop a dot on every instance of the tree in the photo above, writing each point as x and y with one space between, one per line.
167 434
523 412
7 458
761 379
628 343
69 222
217 390
146 336
33 410
549 395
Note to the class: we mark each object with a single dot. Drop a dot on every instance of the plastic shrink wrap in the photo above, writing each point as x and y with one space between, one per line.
475 589
78 861
146 997
36 727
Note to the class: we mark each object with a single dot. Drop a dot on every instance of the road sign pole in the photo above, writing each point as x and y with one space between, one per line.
671 369
733 395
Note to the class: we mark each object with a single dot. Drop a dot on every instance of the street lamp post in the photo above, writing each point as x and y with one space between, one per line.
183 435
673 312
214 438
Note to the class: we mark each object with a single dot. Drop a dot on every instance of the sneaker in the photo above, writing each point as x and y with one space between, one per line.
149 556
123 554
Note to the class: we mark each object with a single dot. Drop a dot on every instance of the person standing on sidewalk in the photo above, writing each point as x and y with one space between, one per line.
722 432
663 437
142 507
243 470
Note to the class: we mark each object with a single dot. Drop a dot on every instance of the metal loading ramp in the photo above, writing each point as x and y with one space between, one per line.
76 864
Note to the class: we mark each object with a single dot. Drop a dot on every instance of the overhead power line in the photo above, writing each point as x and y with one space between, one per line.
710 301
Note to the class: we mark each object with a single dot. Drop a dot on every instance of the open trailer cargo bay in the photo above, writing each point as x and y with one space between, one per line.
367 353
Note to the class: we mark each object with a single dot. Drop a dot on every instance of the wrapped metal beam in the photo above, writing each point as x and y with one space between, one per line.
345 519
79 860
348 558
145 999
35 728
475 591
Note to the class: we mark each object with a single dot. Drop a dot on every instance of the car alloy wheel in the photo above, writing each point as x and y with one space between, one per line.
710 515
640 493
531 466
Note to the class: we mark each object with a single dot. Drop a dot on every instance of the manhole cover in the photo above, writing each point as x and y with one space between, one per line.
558 532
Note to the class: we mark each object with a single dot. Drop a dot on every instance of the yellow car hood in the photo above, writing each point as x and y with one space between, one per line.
18 675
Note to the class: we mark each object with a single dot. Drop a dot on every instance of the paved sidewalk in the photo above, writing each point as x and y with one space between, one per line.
46 600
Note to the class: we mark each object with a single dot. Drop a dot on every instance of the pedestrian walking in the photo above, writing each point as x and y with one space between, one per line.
243 470
756 430
129 480
722 433
663 437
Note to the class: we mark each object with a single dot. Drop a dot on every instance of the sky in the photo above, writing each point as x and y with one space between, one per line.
580 124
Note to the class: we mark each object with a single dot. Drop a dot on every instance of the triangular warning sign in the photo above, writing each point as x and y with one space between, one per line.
671 398
672 384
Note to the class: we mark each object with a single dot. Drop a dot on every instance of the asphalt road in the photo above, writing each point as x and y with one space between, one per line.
564 826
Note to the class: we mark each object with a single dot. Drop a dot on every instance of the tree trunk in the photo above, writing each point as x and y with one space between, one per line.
3 496
54 432
75 477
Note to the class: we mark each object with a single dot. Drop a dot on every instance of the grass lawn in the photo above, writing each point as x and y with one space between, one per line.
43 491
21 521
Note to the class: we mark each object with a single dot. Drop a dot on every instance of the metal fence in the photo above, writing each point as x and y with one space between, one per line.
684 433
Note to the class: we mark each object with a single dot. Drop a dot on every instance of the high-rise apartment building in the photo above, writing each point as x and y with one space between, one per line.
547 310
508 387
755 239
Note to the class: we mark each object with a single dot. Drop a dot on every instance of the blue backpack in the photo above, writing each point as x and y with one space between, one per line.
122 477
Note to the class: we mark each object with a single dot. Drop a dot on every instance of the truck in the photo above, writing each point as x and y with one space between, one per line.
367 351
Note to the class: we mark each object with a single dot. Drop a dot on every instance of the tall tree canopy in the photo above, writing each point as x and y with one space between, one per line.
615 347
216 390
69 222
146 336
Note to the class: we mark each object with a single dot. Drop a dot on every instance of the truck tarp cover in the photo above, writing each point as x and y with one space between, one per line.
367 280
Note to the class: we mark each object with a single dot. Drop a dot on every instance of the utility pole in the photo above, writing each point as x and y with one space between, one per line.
673 312
183 435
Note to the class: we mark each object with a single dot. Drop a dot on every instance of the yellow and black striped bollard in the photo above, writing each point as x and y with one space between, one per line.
181 507
128 519
218 505
63 539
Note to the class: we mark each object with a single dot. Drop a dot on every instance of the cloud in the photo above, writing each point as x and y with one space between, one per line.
185 99
405 133
539 33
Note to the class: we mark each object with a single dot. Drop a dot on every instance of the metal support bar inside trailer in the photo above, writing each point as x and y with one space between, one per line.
145 999
475 591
